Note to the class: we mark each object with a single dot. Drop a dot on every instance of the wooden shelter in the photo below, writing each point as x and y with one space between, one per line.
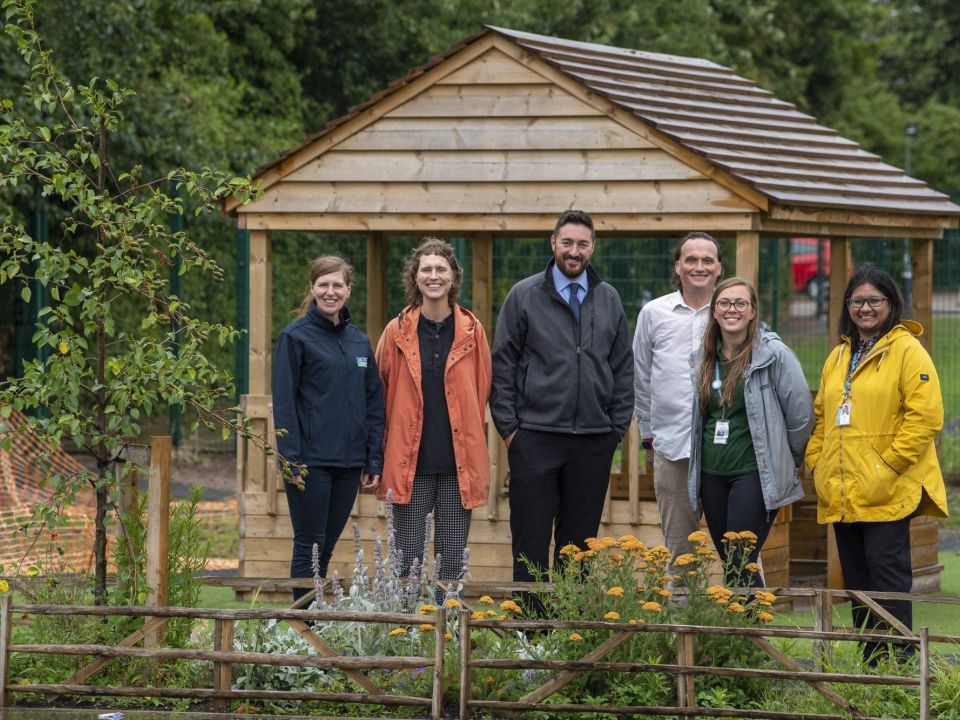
504 131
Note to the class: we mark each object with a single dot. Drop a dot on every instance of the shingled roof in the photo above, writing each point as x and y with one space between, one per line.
783 153
765 144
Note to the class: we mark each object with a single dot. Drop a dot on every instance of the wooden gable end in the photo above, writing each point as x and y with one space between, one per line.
492 138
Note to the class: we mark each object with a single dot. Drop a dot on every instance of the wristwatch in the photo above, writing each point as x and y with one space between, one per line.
647 443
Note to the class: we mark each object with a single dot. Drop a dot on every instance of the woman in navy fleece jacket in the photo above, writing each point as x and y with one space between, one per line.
328 398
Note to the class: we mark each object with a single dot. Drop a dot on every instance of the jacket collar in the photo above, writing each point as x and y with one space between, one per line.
313 312
593 279
464 326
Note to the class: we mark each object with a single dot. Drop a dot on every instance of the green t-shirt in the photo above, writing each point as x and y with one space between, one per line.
737 457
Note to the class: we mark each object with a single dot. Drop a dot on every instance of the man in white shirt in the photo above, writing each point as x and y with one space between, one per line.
669 329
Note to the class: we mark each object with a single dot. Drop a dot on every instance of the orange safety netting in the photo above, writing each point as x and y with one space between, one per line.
24 471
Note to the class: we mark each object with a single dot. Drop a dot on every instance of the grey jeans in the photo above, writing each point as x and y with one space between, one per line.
677 520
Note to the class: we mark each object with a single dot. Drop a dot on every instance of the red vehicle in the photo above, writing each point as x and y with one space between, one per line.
803 265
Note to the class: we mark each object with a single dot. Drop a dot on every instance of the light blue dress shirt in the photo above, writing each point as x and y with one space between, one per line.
561 282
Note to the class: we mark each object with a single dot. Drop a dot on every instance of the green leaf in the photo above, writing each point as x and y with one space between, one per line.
45 132
25 294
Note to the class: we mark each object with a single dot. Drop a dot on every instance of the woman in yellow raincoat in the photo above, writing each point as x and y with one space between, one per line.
872 451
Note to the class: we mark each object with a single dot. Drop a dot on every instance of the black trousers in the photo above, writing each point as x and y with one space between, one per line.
558 483
876 556
318 514
734 504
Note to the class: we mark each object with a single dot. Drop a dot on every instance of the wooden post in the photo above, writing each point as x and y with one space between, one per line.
464 621
840 266
748 256
922 309
924 674
822 622
261 307
377 310
632 454
440 628
686 683
222 671
483 281
5 625
251 460
158 525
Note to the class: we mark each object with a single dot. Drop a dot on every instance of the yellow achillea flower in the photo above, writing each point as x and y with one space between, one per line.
719 591
615 591
764 616
479 615
616 559
4 586
633 545
704 550
448 635
425 627
735 607
612 615
576 637
511 606
764 596
593 543
427 609
486 600
731 535
684 559
570 549
752 567
491 613
697 536
451 603
663 592
651 606
748 535
397 632
627 538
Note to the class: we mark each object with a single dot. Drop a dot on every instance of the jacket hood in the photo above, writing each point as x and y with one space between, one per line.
762 350
910 327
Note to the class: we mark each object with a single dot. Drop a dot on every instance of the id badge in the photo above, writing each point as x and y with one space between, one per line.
843 414
722 432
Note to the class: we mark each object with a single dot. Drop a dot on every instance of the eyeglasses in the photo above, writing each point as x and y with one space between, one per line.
740 304
874 301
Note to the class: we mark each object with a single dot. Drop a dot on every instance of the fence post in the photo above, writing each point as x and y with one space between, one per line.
440 627
158 526
924 674
465 689
222 671
686 687
5 622
822 622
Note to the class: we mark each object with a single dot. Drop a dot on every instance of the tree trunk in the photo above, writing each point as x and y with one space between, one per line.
100 540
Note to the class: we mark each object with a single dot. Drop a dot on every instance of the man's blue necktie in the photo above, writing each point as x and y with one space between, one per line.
574 300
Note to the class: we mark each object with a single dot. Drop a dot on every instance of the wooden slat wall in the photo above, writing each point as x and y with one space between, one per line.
266 552
494 138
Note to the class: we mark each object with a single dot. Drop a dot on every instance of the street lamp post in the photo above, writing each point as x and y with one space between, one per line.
909 133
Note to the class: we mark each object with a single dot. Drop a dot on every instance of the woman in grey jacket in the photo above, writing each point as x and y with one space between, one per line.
752 416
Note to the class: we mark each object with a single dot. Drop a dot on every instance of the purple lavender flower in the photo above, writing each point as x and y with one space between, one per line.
315 567
337 590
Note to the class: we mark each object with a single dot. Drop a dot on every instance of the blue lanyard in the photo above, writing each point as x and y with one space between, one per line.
863 349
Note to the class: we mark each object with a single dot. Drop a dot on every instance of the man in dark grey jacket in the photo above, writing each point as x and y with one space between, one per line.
562 396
